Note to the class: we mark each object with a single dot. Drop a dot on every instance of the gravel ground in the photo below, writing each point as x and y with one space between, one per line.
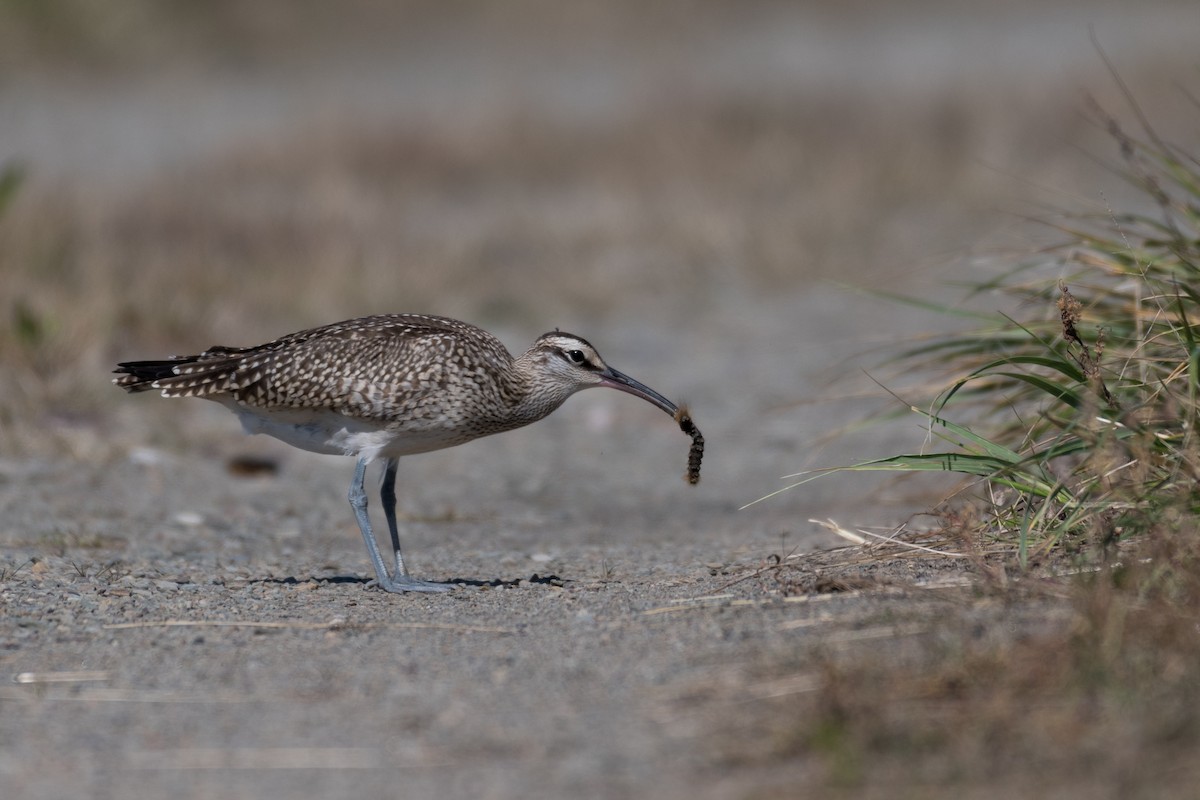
227 652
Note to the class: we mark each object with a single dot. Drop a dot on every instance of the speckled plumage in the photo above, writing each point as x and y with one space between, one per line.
423 382
383 387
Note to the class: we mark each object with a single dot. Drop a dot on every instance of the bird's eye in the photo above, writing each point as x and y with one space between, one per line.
576 356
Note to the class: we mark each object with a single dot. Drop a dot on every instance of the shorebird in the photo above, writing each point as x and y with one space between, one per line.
387 386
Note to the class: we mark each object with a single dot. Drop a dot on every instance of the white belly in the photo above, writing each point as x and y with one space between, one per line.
331 433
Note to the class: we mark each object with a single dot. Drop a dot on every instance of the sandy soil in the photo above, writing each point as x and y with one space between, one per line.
173 627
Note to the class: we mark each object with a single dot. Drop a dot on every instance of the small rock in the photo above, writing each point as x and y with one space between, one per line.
147 456
249 466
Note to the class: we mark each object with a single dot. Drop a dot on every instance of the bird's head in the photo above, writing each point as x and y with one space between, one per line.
563 363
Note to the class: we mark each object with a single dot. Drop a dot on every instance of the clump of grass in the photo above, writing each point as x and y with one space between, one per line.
1077 422
1097 399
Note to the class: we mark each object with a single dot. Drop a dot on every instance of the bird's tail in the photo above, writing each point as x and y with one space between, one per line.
141 376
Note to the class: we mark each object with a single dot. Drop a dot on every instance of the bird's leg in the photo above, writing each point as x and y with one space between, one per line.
387 494
358 501
400 581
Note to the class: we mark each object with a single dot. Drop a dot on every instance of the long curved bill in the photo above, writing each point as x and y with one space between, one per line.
619 380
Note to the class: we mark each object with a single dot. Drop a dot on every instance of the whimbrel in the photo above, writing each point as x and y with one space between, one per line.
387 386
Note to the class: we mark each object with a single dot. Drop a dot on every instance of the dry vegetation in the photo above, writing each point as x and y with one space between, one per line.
503 226
1076 422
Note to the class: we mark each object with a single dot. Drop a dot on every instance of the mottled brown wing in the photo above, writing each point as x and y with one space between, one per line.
372 368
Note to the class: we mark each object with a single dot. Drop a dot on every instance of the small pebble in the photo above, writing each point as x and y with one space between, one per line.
147 456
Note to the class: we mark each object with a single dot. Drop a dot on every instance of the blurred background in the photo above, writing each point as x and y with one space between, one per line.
695 186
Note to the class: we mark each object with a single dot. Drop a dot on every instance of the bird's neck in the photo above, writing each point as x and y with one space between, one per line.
531 399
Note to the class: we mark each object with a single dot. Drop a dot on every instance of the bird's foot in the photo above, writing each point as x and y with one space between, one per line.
403 583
